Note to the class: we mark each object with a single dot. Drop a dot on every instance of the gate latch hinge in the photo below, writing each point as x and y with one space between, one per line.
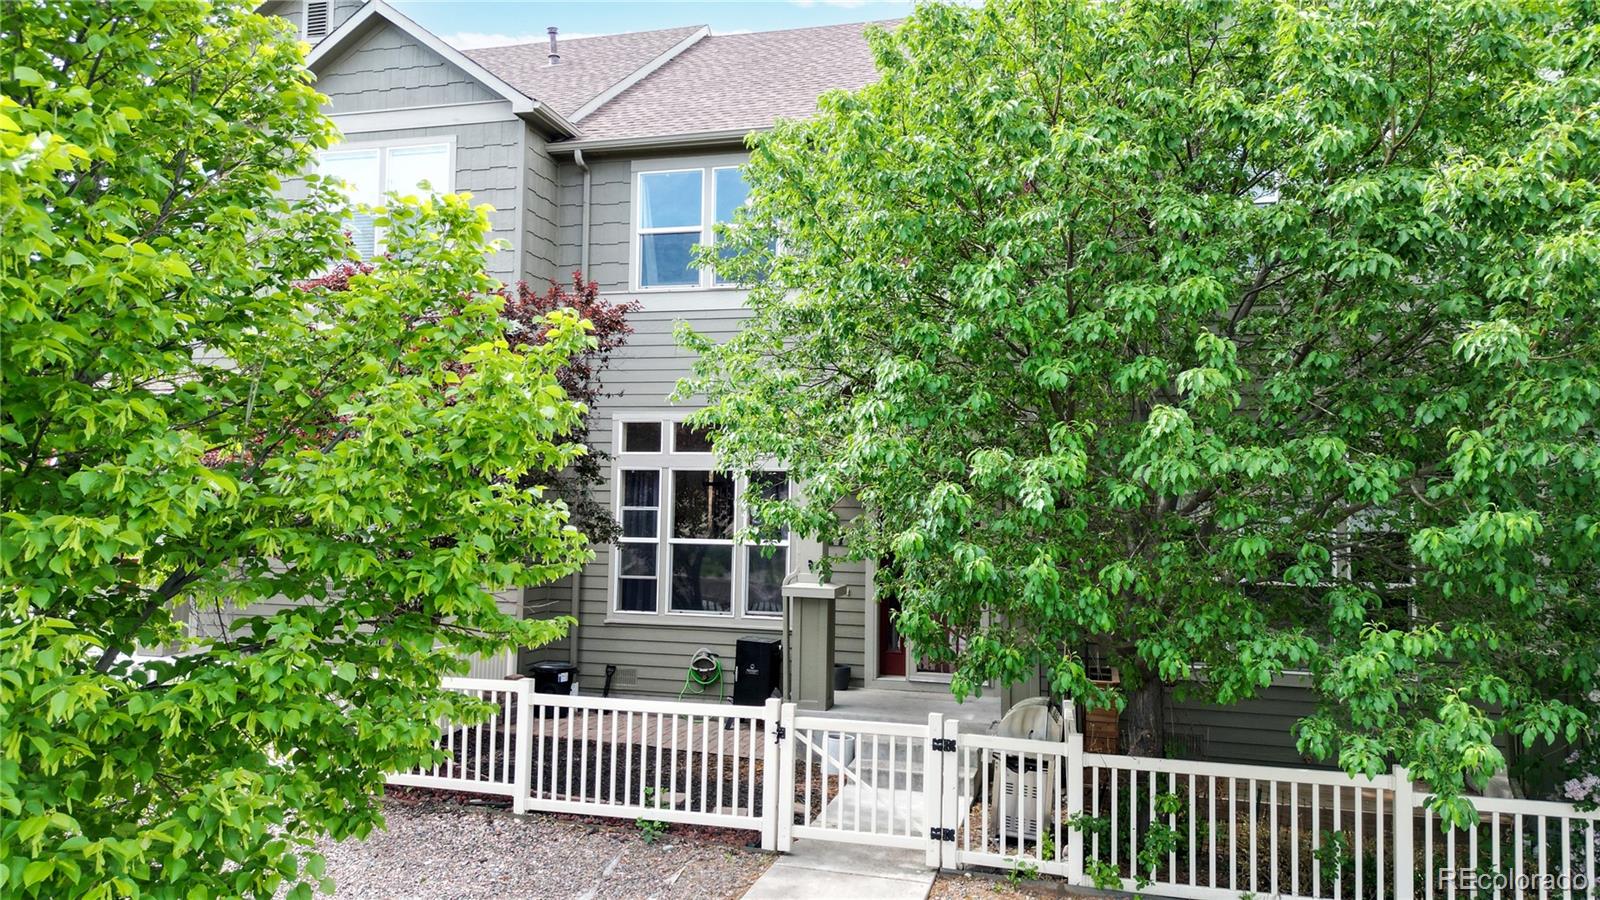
942 834
944 745
779 732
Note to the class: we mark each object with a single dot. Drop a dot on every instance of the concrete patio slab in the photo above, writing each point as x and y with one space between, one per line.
977 714
845 871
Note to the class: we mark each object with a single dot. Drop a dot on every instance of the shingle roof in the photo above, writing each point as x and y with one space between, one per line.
735 81
588 67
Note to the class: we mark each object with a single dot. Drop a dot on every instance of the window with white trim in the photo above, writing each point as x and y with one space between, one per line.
678 210
369 171
1365 555
684 548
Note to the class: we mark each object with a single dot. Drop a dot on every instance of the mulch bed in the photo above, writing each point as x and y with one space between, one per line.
429 798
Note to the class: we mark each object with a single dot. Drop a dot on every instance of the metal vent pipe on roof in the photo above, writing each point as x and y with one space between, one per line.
554 56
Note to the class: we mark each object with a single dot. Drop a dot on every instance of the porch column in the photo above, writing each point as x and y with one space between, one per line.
808 658
808 636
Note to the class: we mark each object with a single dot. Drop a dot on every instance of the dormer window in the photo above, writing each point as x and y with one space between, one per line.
314 20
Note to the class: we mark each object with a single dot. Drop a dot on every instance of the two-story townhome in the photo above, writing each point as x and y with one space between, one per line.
614 156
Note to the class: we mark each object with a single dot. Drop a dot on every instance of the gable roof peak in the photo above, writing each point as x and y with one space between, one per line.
592 69
376 12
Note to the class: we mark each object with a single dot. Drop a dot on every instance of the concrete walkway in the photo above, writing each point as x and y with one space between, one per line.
817 869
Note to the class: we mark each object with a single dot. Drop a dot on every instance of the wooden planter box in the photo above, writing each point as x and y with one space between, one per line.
1102 728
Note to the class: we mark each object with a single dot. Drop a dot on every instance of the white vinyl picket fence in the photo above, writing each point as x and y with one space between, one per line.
1528 848
695 763
1178 828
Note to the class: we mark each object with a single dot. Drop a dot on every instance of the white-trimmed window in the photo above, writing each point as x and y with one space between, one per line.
369 171
680 552
675 211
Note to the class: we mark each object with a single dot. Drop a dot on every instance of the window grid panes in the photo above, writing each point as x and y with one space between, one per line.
641 437
639 547
688 439
370 172
670 225
767 562
702 542
682 515
731 193
678 210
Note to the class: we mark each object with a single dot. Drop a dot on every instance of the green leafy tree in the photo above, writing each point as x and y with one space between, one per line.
1213 340
191 426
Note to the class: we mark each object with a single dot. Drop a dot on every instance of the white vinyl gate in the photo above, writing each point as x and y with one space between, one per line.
1179 828
877 783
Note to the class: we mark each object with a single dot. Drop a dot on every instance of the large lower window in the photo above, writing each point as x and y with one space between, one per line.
371 171
702 541
685 547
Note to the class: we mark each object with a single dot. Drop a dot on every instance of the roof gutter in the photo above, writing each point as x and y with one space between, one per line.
651 142
537 112
583 239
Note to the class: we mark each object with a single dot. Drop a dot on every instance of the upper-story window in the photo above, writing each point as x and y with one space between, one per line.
680 550
371 170
677 211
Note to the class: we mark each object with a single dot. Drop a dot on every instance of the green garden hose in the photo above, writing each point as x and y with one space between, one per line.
705 669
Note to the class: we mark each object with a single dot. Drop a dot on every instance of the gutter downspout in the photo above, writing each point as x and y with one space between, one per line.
583 240
577 628
583 266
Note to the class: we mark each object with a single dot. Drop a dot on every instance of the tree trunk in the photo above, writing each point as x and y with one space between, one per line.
1146 717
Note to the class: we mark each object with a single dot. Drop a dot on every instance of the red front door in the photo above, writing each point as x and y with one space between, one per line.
891 647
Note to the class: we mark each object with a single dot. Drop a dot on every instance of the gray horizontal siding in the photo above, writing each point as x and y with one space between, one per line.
294 11
501 164
388 69
1258 731
342 10
540 256
214 621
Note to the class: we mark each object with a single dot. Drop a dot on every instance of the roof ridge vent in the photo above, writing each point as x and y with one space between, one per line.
555 56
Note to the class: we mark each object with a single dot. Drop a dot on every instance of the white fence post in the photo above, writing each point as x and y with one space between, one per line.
950 802
1073 776
772 805
783 803
933 788
1403 811
521 779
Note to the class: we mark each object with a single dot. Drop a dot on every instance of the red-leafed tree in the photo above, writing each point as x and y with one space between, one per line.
525 311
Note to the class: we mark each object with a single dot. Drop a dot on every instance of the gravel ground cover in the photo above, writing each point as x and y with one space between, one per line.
440 849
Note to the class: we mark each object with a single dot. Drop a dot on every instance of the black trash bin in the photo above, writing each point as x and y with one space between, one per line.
758 660
554 678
